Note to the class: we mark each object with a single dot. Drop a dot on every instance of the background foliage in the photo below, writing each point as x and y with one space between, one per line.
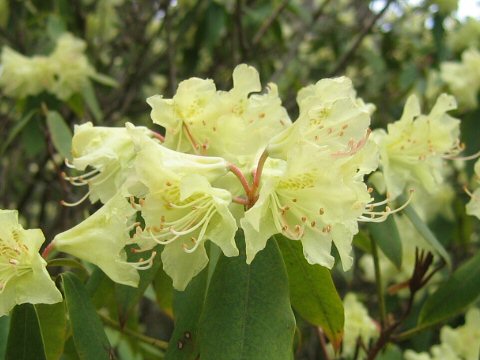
388 48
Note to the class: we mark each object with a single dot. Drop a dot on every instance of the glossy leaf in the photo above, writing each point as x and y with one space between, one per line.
25 339
88 333
386 236
454 295
60 133
53 325
187 307
162 284
247 312
312 291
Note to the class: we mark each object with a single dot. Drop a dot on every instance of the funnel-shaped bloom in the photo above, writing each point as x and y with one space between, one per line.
23 276
101 239
109 152
415 146
182 210
312 197
331 118
234 124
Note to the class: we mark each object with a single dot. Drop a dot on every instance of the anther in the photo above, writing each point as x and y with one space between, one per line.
321 211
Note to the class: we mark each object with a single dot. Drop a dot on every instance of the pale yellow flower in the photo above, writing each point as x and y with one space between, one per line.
235 125
414 148
23 276
101 240
109 153
182 209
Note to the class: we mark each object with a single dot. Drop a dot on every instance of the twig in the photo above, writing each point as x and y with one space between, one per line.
323 343
242 45
160 344
343 61
268 22
172 69
297 41
378 282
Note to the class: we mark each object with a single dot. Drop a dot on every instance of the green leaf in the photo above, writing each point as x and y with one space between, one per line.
53 325
386 236
247 313
312 291
452 296
92 102
362 241
162 284
425 231
60 134
25 339
187 307
4 325
127 296
88 333
16 130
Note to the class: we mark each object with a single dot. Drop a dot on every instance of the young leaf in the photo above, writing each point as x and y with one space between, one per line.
88 333
312 291
25 339
60 133
53 325
247 312
387 238
451 297
187 307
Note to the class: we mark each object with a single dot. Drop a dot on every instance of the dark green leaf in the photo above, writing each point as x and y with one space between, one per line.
187 307
60 133
53 325
459 291
4 325
247 312
25 339
386 236
312 291
362 241
162 284
88 333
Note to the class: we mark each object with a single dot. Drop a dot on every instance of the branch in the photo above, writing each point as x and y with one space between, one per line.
160 344
297 41
345 58
268 22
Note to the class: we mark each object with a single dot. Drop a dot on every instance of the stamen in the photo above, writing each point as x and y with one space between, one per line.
468 157
64 203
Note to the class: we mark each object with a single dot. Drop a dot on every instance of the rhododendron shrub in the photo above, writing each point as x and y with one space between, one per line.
239 180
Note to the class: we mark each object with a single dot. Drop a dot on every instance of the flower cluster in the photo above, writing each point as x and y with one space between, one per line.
23 277
228 160
64 72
